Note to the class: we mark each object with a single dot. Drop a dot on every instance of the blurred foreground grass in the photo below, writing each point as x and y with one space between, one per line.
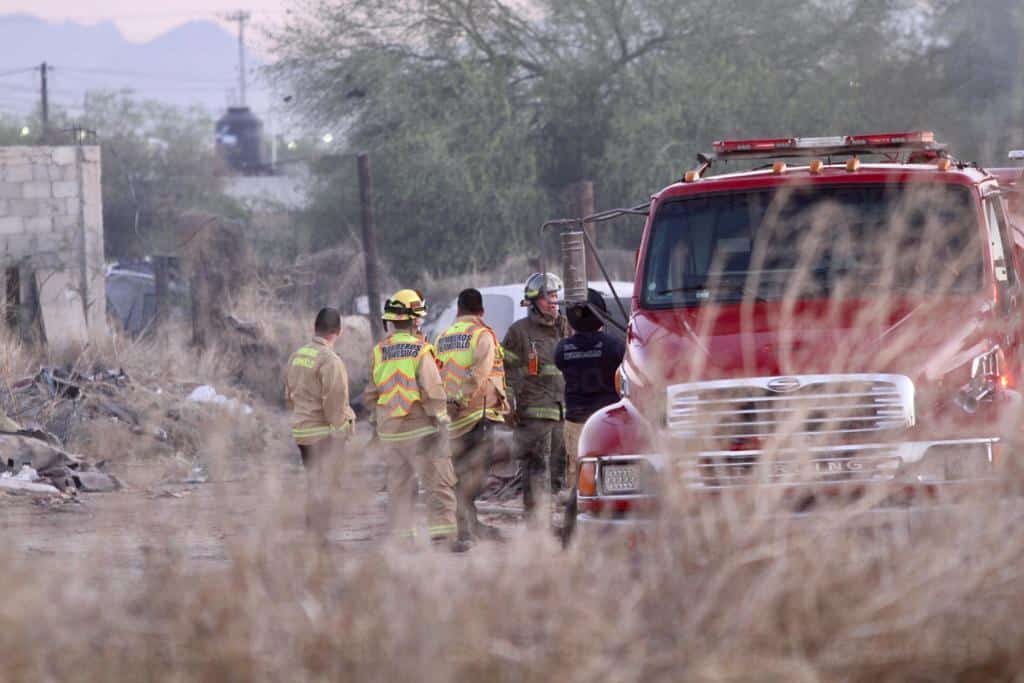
926 595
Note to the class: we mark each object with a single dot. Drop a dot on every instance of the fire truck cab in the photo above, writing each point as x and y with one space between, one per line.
844 316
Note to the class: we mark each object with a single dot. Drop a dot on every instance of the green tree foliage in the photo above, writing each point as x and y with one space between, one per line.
158 161
479 113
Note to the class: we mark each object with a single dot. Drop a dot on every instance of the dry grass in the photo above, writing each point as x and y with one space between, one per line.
716 592
707 601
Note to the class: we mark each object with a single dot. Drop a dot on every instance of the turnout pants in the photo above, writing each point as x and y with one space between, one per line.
538 446
472 454
429 459
572 452
322 461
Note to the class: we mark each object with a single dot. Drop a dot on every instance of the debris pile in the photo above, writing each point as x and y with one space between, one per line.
100 429
32 465
54 399
49 404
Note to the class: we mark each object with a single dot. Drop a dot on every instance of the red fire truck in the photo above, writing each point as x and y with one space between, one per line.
841 315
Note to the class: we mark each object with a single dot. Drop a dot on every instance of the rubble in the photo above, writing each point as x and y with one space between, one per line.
14 485
35 460
58 397
25 474
94 481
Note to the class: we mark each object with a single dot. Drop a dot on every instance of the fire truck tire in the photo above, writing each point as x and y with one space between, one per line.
568 521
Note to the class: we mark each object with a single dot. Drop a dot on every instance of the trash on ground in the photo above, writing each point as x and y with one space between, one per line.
15 485
27 459
93 481
26 473
207 394
198 474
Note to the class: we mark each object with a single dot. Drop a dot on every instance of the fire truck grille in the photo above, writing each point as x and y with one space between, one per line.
727 469
755 413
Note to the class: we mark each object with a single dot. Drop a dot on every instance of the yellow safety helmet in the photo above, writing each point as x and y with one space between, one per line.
405 304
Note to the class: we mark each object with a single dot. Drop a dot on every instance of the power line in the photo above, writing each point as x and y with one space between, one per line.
100 71
14 72
35 89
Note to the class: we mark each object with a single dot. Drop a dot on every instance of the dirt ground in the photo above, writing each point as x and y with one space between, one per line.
194 524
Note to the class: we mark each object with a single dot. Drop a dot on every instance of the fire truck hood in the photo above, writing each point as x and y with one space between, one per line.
923 339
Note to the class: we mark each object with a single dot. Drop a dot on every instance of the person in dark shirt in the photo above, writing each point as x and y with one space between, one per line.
588 361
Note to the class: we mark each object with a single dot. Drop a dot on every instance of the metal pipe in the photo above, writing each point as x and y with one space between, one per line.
574 265
600 264
599 217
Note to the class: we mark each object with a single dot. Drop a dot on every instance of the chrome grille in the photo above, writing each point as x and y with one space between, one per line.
746 414
828 465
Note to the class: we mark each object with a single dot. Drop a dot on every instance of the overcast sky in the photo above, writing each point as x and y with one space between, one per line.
141 21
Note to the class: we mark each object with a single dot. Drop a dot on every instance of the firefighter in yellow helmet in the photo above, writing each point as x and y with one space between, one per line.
473 371
409 410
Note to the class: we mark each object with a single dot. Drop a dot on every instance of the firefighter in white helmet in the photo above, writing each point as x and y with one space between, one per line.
409 409
537 387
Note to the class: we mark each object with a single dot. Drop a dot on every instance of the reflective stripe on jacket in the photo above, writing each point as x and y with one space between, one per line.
395 363
405 388
456 349
473 370
316 391
538 385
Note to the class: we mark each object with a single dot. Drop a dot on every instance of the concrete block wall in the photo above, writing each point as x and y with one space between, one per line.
51 220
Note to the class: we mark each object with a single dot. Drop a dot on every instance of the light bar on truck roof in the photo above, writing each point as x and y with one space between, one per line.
878 143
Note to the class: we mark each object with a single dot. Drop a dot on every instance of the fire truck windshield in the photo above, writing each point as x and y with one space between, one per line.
845 241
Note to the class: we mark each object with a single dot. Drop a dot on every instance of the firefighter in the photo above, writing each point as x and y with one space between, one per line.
411 421
537 387
316 392
474 382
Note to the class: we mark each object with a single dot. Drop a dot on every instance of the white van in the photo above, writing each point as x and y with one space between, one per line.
501 307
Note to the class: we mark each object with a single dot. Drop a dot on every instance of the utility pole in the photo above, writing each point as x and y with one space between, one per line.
44 99
161 281
241 16
369 243
581 203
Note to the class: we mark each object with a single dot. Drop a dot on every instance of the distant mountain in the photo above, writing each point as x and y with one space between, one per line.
193 64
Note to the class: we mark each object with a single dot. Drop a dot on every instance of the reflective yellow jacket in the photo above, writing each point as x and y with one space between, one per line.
473 371
405 390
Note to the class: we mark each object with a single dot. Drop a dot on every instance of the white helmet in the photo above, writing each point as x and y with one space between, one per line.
541 284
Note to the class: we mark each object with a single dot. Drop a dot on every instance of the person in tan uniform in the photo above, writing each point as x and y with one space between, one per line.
316 393
411 419
473 371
